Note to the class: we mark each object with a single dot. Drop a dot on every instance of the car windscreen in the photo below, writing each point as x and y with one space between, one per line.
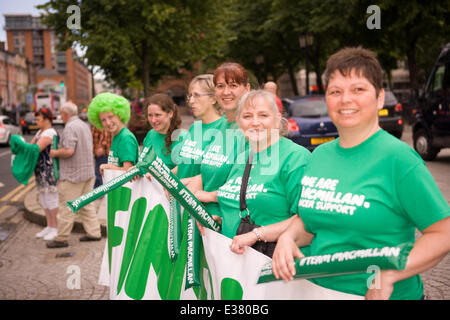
390 99
310 108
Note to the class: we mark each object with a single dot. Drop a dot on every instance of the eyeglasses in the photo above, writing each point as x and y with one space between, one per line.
196 95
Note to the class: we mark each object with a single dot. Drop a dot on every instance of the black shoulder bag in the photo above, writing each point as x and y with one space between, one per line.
246 224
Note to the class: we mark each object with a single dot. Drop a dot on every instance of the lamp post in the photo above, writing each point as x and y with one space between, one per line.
306 40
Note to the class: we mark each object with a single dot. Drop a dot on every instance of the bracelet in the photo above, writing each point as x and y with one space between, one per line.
255 231
262 228
258 235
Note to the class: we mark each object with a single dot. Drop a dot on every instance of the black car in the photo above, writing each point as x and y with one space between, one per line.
28 123
431 130
390 117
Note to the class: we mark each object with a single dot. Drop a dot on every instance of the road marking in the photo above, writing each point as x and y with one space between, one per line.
5 153
17 189
24 191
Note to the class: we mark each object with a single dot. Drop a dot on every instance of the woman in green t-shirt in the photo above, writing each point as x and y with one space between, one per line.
366 189
231 83
274 178
163 116
189 152
111 112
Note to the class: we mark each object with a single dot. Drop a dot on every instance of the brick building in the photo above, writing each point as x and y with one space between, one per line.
14 78
26 35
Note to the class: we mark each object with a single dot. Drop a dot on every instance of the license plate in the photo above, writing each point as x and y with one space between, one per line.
32 127
383 112
321 140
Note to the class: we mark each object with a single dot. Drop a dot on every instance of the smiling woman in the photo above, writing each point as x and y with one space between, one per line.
378 178
111 112
163 116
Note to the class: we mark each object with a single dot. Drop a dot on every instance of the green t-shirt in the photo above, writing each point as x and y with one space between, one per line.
124 147
157 141
218 160
273 187
371 195
189 152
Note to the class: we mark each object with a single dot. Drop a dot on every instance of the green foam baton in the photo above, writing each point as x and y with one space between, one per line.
156 167
161 172
100 191
346 262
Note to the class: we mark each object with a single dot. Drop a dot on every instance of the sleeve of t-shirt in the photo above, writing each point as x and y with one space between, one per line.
49 133
292 176
129 151
420 197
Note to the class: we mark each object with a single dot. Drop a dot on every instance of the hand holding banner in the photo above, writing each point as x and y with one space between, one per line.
346 262
157 168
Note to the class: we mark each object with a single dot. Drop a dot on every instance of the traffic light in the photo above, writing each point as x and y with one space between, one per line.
61 83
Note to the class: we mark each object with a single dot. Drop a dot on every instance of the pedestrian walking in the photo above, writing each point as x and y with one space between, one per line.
45 174
77 177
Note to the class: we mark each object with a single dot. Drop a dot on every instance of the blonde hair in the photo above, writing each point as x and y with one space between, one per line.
206 83
249 98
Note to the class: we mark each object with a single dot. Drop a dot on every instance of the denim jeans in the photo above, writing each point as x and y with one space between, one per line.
98 177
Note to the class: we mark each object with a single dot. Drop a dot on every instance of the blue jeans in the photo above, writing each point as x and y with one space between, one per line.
98 177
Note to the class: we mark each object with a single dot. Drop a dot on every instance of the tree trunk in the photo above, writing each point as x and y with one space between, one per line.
315 60
293 80
93 81
145 71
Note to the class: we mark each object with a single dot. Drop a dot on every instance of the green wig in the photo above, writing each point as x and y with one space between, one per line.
105 102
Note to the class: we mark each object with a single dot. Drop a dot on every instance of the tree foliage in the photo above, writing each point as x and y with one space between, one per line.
141 40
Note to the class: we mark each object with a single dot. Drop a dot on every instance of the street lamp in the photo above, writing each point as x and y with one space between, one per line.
306 40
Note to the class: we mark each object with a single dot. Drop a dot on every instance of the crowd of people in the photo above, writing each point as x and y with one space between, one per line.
259 185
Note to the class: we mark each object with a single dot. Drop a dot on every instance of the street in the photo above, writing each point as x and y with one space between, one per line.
30 271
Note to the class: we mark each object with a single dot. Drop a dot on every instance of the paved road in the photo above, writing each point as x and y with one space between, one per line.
30 271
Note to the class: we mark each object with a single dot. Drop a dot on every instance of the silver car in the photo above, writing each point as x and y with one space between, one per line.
7 128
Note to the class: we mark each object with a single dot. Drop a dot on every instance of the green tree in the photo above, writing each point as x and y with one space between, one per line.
140 39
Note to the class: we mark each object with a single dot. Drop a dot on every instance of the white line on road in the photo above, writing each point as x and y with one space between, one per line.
5 153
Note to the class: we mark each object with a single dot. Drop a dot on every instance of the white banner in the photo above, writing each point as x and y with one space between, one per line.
140 266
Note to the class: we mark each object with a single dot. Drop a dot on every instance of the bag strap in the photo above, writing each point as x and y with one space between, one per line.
245 178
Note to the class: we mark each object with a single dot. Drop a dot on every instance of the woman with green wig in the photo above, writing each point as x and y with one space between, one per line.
111 112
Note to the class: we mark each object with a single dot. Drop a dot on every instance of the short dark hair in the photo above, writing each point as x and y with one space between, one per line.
362 61
45 113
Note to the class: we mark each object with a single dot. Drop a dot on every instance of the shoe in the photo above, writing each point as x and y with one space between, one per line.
51 234
57 244
87 238
43 232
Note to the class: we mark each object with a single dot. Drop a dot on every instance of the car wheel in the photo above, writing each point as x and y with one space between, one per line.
423 146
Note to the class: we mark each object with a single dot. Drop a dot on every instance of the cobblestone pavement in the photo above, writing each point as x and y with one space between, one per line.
30 271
